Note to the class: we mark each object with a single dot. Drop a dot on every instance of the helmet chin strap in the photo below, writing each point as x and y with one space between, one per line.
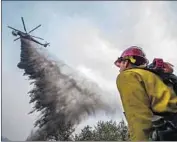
128 65
131 62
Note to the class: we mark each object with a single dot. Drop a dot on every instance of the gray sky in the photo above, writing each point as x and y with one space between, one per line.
88 36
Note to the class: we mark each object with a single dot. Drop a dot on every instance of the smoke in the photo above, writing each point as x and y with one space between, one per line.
63 97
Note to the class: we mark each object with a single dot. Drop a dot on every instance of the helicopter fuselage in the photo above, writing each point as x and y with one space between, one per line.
21 34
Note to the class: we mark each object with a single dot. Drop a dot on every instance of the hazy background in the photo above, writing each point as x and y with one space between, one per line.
87 36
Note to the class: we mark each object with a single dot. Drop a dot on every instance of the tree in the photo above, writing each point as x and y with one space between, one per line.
104 131
86 134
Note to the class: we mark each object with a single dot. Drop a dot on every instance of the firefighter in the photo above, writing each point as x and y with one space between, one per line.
142 92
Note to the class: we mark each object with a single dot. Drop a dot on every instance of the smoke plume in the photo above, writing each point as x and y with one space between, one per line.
63 97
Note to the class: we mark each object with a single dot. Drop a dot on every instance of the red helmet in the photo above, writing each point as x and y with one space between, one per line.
133 51
130 52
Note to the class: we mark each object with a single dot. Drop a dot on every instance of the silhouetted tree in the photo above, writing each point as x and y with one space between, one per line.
104 131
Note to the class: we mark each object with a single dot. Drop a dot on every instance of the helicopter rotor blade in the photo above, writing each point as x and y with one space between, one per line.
13 29
37 37
16 38
23 24
34 28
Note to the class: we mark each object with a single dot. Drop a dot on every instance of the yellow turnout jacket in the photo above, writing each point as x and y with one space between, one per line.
141 92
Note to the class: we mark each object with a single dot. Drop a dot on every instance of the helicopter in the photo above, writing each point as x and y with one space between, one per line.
27 35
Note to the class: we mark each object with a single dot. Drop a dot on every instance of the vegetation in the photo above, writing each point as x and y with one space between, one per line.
104 131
